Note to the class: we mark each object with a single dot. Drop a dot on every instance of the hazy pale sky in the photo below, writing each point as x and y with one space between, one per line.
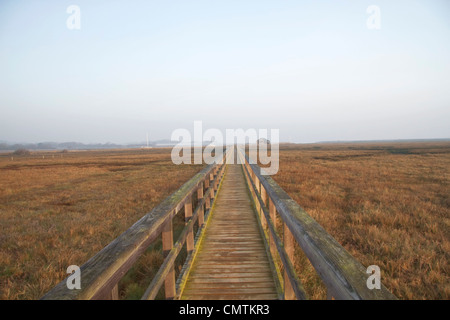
312 69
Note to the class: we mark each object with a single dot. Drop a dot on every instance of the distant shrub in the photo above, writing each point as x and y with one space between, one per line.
21 152
399 151
65 151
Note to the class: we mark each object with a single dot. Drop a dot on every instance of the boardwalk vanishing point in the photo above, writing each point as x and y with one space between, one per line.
248 231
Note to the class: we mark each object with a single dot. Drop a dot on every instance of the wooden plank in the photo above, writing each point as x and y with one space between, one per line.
190 236
115 292
231 281
232 261
226 285
218 296
251 246
167 243
201 216
208 198
273 217
250 266
233 290
288 240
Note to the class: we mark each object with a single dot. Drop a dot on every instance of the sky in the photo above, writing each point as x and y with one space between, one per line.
312 69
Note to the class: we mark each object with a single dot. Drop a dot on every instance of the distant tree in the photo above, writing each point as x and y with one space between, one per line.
21 152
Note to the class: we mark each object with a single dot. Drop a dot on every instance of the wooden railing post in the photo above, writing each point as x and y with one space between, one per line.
167 243
114 294
211 179
207 199
257 204
190 235
289 293
264 199
201 213
214 185
273 217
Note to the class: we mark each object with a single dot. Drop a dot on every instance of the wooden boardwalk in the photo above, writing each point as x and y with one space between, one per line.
241 252
232 261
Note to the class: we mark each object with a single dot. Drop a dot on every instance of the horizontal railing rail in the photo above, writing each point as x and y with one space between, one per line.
101 274
292 285
343 276
206 201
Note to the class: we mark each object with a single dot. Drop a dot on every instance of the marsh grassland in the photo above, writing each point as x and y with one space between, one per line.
59 209
386 203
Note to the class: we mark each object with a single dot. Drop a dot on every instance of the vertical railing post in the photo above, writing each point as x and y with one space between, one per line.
114 293
258 205
187 216
264 199
201 212
208 198
167 243
289 293
273 217
213 184
219 172
258 185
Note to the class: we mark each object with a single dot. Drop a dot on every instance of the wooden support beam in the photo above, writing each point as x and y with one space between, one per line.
208 198
215 183
257 204
208 201
289 293
115 292
263 195
273 217
167 243
190 235
201 213
261 213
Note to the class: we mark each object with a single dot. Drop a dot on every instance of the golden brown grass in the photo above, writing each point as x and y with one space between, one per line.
61 209
387 204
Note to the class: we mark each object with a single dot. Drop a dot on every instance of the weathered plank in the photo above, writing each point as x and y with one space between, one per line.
223 296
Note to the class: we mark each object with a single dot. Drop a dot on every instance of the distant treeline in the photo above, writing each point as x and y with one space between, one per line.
56 146
4 145
64 145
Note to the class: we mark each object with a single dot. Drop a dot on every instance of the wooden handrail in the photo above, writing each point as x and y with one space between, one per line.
169 261
100 274
295 283
342 274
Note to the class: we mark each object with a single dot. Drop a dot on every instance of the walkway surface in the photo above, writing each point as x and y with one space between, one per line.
232 262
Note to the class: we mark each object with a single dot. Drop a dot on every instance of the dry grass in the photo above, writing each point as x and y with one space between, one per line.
60 209
386 204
